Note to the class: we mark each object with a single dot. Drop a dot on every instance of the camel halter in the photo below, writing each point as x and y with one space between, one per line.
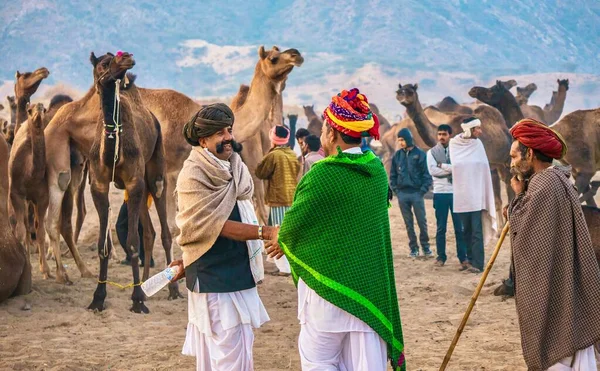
116 130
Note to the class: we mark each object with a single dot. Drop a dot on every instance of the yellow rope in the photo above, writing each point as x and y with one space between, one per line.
121 286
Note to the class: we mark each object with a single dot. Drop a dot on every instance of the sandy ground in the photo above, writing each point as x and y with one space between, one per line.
58 333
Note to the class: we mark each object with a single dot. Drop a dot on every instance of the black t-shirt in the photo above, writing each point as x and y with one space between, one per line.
225 267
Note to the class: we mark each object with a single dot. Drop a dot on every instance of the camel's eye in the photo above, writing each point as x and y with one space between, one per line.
274 60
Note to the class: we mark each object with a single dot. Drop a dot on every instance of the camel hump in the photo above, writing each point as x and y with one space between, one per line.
58 100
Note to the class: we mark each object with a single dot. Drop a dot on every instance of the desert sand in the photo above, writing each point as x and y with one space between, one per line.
58 333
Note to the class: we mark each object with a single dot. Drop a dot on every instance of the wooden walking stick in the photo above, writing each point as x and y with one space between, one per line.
474 297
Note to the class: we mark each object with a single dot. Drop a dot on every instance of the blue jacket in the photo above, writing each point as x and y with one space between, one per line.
409 172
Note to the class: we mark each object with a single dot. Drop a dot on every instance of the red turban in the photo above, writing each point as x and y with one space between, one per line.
535 135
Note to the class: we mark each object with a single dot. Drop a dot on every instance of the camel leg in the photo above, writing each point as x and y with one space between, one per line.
135 189
17 218
66 230
497 198
41 239
101 202
148 235
81 210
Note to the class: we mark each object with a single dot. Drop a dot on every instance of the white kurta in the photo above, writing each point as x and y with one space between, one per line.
472 182
333 339
219 332
585 360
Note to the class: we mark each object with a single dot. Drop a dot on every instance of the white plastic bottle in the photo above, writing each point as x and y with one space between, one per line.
159 280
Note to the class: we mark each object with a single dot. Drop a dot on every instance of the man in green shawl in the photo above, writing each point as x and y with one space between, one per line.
336 236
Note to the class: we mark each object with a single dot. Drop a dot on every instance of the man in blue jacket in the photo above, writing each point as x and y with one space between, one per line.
410 180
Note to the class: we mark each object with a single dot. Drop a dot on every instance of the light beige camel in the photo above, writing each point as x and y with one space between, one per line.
240 98
257 115
448 104
580 129
495 137
553 111
15 269
127 150
315 123
27 185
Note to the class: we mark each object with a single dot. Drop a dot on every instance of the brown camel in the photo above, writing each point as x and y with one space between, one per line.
315 123
580 129
257 115
127 150
26 85
75 124
10 130
496 138
557 103
15 269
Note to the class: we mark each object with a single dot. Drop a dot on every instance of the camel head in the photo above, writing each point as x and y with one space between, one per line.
12 103
523 94
277 65
509 84
109 67
491 96
564 84
26 84
292 117
407 94
4 127
309 110
35 115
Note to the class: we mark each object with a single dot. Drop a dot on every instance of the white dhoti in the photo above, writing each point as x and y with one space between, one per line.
585 360
333 339
219 332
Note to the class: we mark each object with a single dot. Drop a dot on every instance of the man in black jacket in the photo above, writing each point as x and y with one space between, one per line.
410 180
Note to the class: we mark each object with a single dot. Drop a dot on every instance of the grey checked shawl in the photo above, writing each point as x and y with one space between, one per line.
557 278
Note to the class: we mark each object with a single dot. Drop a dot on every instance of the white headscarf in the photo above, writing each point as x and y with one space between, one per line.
468 126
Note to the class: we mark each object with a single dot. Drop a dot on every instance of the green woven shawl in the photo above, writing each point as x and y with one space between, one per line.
336 237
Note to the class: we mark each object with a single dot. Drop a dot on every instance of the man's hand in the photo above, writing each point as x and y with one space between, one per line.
505 212
181 273
273 249
517 185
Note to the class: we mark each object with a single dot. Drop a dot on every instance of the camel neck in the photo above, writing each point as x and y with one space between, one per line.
21 112
38 145
107 126
424 127
559 104
510 110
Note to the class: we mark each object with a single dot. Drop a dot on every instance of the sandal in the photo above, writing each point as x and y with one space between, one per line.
280 274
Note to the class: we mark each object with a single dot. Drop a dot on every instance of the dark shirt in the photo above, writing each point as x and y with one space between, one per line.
224 268
409 171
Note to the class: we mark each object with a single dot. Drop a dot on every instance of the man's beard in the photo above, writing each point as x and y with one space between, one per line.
237 147
520 173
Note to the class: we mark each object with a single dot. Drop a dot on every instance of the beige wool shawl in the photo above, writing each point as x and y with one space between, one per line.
206 196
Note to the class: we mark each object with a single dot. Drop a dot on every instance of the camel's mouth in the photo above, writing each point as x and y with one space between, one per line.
42 73
474 92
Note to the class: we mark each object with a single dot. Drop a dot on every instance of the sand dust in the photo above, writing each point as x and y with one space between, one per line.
58 333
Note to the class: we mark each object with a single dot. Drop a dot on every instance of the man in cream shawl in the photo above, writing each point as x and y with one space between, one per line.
222 245
473 193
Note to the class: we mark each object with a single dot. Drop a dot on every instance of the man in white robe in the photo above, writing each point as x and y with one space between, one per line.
473 193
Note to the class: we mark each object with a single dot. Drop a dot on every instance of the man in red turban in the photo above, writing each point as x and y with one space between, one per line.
554 268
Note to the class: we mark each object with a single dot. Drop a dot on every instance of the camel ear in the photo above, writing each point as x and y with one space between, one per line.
276 48
29 110
1 107
93 59
400 85
262 54
17 75
415 87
